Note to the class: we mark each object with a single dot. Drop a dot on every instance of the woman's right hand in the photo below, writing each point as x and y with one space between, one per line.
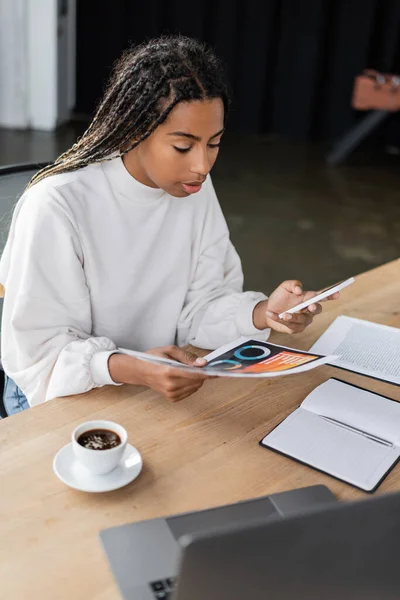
174 384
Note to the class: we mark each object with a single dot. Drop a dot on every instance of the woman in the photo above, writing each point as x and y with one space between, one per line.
122 242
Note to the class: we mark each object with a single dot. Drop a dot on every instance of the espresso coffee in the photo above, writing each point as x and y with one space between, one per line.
99 439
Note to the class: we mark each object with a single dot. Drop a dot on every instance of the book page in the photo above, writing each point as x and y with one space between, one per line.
357 408
363 347
315 441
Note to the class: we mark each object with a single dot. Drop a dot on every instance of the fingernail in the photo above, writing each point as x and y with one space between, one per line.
270 313
298 290
201 361
288 317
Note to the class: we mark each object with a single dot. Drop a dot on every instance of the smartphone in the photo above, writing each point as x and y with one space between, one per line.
320 296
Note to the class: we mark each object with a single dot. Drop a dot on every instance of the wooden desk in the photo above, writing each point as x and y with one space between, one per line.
199 453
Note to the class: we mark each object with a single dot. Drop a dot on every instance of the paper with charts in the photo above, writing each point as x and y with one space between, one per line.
246 357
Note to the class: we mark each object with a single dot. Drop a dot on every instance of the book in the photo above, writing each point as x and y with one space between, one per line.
245 357
342 430
363 347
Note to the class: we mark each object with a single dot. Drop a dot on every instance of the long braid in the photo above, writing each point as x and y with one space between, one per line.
146 84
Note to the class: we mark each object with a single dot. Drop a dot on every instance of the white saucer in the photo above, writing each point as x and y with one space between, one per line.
73 473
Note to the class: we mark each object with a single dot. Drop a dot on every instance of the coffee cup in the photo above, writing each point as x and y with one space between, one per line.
99 445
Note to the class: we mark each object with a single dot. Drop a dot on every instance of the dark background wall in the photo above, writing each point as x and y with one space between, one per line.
291 63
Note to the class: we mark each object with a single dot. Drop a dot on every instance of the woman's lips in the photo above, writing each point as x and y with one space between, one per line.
192 188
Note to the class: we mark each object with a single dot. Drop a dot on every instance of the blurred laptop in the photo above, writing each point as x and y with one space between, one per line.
144 556
346 551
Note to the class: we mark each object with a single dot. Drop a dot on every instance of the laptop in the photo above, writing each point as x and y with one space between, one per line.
346 551
144 556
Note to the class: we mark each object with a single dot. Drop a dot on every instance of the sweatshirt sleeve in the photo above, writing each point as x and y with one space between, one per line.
216 310
47 347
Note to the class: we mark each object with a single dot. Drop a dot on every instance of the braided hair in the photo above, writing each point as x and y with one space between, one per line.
147 82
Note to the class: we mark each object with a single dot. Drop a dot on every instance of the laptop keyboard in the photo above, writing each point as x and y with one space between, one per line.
162 589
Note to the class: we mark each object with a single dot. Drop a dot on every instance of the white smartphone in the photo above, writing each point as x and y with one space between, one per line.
320 296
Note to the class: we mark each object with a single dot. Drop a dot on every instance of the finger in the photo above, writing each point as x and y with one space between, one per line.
289 319
185 356
183 393
174 387
334 296
310 294
180 384
191 389
303 318
294 286
178 374
294 327
178 398
314 309
282 328
275 317
299 327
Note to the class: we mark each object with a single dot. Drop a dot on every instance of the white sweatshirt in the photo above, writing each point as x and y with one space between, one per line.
96 260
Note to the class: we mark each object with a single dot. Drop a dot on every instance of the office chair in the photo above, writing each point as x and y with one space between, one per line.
13 179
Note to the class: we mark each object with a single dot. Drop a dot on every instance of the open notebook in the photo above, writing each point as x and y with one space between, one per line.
342 430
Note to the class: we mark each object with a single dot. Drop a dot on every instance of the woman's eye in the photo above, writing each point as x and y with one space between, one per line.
181 149
214 145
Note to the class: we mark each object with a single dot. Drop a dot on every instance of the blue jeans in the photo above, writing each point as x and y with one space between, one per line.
14 399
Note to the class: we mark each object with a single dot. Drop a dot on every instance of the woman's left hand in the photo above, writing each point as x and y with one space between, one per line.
286 296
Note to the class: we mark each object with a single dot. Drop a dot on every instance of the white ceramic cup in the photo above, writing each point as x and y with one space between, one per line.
99 462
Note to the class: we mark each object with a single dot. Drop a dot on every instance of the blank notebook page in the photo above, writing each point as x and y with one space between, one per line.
333 448
357 407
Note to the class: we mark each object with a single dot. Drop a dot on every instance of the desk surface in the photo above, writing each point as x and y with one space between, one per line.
199 453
